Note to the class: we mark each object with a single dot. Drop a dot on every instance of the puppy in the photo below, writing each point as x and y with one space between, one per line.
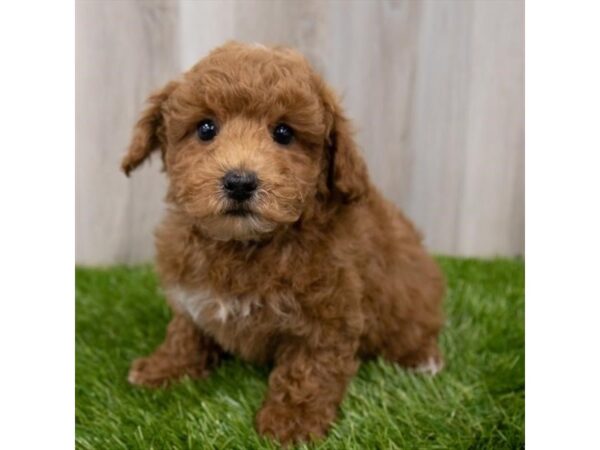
276 246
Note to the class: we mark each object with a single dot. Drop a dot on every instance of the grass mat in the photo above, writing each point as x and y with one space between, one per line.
476 402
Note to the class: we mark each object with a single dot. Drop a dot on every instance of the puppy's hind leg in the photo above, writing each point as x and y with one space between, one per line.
427 359
414 350
186 351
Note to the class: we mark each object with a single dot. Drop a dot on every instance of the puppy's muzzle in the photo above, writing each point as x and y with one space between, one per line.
239 185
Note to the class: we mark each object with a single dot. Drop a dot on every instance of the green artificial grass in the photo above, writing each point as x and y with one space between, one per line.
476 402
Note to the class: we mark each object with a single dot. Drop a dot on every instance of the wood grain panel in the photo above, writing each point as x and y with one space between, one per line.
124 50
435 89
370 51
492 203
437 137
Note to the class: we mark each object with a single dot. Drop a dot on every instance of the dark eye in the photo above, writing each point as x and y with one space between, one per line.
207 130
283 134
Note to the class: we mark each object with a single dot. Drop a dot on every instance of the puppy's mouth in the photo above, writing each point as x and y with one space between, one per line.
239 211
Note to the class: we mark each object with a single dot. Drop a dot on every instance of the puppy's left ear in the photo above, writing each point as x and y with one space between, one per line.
148 133
347 175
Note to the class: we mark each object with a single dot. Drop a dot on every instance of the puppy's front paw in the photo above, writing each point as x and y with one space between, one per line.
158 371
290 425
147 372
431 366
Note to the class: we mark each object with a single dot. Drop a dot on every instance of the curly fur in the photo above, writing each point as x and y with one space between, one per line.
323 273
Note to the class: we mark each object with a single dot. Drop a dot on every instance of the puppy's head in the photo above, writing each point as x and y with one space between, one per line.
251 139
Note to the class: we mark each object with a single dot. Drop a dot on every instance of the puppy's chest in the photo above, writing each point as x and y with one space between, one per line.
207 308
240 324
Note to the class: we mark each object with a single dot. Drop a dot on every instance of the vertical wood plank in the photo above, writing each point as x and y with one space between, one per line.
124 50
492 205
370 54
204 25
437 138
279 22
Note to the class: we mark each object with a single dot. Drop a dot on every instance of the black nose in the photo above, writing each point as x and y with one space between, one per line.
240 185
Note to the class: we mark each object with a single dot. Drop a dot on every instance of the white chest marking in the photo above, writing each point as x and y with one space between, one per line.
204 306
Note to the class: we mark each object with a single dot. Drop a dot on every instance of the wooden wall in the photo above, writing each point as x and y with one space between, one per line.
435 88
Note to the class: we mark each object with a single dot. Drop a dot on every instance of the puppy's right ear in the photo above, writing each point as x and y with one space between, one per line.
148 133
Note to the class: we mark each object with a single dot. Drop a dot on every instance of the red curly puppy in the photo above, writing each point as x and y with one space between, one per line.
276 246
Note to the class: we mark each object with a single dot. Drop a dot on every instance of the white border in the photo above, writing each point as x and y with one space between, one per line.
563 224
37 224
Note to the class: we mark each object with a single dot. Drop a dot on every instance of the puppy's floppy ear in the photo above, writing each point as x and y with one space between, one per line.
347 174
148 133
